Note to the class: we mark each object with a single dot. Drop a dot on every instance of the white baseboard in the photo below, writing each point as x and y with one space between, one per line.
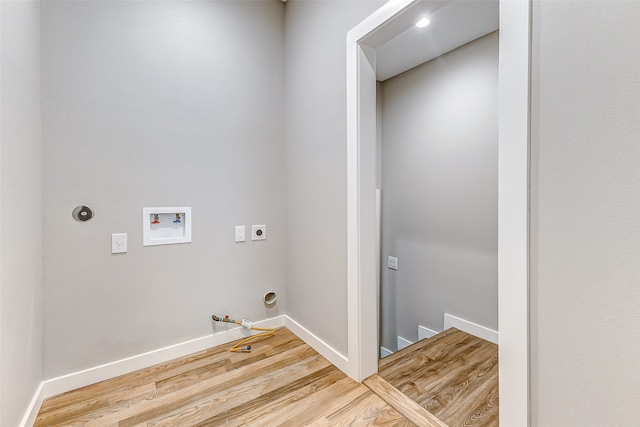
470 328
384 352
424 333
403 342
331 354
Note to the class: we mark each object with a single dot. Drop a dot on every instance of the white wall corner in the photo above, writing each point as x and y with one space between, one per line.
384 352
470 328
30 416
331 354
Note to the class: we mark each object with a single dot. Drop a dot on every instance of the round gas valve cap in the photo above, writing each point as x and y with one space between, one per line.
83 213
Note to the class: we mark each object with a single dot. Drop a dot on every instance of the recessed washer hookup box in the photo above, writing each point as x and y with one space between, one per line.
166 226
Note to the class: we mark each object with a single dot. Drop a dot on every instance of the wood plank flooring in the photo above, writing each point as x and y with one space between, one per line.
453 375
282 382
402 403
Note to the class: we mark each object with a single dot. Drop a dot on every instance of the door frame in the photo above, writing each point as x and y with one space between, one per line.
513 202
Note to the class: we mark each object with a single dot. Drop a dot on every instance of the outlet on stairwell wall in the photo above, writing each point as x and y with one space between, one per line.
392 263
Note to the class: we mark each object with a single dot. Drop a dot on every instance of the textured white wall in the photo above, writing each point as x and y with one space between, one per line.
158 104
20 208
440 192
315 129
585 216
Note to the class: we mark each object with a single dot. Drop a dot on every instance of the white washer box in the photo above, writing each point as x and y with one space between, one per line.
166 226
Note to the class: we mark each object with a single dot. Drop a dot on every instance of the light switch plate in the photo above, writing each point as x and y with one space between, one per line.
119 243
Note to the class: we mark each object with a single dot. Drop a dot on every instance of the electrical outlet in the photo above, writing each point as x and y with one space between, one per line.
119 243
240 233
392 263
258 232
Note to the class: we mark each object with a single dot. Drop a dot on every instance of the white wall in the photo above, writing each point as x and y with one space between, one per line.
440 192
315 129
158 104
585 214
20 208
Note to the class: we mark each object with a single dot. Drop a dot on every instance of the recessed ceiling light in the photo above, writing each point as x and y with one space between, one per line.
422 23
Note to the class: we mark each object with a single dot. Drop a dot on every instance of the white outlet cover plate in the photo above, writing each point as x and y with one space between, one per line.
119 243
240 233
392 263
258 232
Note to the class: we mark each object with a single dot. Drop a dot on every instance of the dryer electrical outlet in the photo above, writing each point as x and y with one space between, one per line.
258 232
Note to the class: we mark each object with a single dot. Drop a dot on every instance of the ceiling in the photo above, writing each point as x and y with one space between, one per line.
400 45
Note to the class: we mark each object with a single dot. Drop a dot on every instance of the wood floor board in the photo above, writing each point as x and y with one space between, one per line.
420 349
281 382
166 370
286 406
407 407
452 375
335 397
122 408
184 379
275 400
466 385
368 410
431 360
209 396
198 411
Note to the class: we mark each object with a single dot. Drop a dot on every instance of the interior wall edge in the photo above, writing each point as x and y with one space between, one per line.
31 414
339 360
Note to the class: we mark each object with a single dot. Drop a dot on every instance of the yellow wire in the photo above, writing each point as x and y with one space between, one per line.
238 346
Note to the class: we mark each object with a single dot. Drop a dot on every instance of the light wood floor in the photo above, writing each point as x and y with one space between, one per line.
452 375
282 382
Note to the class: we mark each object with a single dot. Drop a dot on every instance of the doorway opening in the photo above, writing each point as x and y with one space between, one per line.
513 142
